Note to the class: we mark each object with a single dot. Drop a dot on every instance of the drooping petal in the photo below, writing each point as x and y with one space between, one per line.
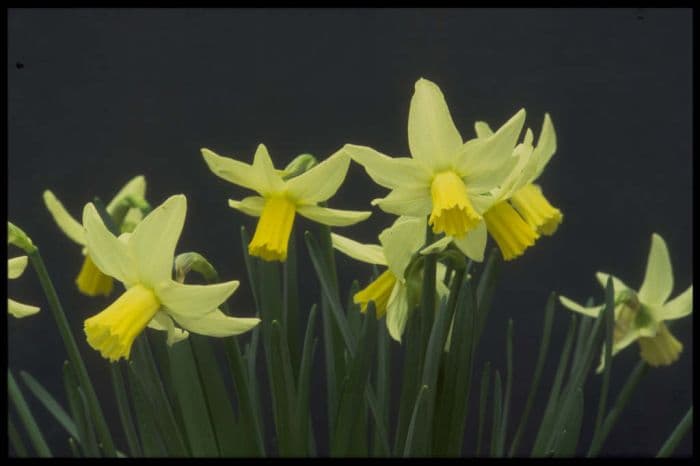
321 181
161 321
473 244
333 217
483 130
233 171
16 266
271 180
153 241
413 202
217 324
136 187
370 253
680 306
64 220
193 301
20 310
107 252
658 280
252 205
432 135
546 146
390 172
397 311
592 311
400 241
618 285
486 162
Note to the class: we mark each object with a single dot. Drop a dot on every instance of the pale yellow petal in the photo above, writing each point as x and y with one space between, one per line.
398 172
217 324
70 226
658 280
680 306
20 310
400 241
483 130
473 244
592 311
397 311
233 171
369 253
107 252
161 321
415 202
321 181
136 188
618 285
546 146
252 205
332 217
153 241
16 266
437 246
193 301
271 180
432 135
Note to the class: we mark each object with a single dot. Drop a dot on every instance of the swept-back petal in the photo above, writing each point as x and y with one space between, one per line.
370 253
333 217
321 181
546 146
658 280
193 301
161 321
412 202
136 187
618 285
432 135
473 244
592 311
485 162
271 180
20 310
217 324
107 252
16 266
64 220
400 241
252 205
397 311
233 171
680 306
153 241
390 172
482 129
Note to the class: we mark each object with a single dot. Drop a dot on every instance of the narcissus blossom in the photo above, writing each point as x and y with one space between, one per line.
640 315
15 269
280 200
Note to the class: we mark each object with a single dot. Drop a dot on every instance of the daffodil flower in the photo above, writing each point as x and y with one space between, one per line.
280 200
143 262
445 178
520 212
90 280
640 315
15 269
389 290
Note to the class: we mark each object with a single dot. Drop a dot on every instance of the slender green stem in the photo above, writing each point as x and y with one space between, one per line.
677 435
25 414
609 326
16 439
73 352
124 410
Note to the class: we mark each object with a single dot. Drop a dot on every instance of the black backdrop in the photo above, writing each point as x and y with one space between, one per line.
98 96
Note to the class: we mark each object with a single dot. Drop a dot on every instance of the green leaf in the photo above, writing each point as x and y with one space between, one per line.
566 440
25 415
483 401
382 402
151 442
509 385
418 409
124 410
496 439
609 316
50 403
486 289
304 381
290 314
16 440
541 357
87 440
381 436
285 394
677 435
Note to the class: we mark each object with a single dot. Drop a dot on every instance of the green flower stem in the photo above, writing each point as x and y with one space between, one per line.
25 414
609 327
677 435
630 385
16 439
73 352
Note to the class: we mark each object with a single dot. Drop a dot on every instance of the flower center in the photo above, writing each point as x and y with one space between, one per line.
453 212
536 210
273 230
91 281
378 291
509 230
661 349
113 331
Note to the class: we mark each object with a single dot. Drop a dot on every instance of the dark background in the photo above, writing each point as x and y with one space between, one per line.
99 96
